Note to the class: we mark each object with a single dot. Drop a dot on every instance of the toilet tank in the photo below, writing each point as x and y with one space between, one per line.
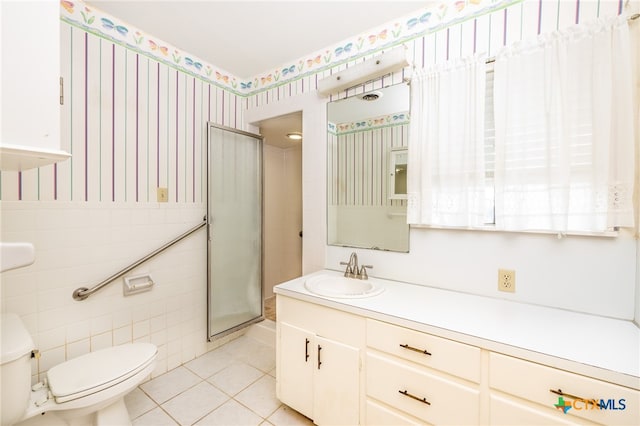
15 368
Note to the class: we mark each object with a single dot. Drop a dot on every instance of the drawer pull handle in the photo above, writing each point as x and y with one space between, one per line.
306 350
560 393
319 362
422 351
423 400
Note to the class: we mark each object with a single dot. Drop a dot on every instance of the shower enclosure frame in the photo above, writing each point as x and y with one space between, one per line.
211 337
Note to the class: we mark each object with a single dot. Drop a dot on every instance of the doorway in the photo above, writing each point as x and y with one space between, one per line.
282 252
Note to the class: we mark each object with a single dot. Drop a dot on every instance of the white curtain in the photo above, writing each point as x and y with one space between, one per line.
564 130
446 167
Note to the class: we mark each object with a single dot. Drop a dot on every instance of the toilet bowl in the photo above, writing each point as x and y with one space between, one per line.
87 390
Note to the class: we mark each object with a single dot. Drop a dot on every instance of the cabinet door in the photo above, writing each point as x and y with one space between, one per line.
295 370
30 73
337 383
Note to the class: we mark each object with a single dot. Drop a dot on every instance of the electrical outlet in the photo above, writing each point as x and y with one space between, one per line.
507 280
163 195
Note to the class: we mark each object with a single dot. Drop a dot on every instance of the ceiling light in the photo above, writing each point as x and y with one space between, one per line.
371 96
296 136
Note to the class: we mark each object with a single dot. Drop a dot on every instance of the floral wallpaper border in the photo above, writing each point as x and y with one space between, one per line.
369 123
426 20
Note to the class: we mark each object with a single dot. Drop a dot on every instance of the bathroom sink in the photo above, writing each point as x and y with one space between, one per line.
342 287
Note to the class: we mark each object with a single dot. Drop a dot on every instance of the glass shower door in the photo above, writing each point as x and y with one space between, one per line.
234 211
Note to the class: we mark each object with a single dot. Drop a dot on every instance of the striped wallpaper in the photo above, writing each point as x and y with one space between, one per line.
358 166
483 34
364 181
438 14
134 124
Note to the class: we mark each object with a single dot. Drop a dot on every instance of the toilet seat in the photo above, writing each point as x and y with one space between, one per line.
96 371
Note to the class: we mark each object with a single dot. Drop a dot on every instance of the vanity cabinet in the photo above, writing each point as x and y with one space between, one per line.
419 375
412 371
318 356
522 392
31 84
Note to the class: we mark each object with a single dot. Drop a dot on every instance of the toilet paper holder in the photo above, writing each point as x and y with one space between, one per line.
137 284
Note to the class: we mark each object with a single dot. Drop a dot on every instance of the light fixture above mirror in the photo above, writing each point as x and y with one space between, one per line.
383 64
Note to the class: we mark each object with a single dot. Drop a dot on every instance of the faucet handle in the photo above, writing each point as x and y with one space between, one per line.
363 272
348 272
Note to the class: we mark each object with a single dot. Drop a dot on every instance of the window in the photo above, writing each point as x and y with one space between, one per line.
563 140
540 140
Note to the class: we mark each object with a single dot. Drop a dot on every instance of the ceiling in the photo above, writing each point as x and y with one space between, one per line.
247 38
275 130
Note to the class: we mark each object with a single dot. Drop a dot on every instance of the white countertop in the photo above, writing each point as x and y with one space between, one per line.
603 348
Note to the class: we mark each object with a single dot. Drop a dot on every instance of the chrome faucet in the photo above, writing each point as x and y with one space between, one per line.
353 271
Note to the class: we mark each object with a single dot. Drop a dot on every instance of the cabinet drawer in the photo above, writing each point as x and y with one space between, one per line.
511 411
379 415
449 402
589 399
445 355
326 322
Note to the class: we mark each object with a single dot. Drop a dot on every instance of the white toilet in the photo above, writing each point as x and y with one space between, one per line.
87 390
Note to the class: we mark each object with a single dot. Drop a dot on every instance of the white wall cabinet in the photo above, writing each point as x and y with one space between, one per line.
31 87
318 362
412 377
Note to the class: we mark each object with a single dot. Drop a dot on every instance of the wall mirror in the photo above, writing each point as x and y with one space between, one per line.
366 170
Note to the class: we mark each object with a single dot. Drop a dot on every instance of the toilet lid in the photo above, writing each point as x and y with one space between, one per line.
99 370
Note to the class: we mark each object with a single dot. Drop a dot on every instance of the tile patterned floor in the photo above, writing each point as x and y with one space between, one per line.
231 385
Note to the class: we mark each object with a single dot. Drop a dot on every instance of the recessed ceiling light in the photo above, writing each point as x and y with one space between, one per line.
296 136
371 96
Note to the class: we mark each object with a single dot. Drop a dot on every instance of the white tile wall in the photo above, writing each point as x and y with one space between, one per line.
80 244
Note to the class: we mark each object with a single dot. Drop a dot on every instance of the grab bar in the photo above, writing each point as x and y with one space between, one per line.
84 292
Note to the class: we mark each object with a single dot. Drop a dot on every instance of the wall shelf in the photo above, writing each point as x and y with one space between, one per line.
18 158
